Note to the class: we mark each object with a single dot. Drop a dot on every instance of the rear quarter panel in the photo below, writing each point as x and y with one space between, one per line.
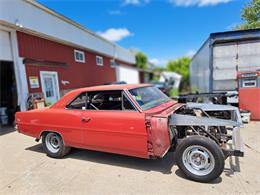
65 122
28 122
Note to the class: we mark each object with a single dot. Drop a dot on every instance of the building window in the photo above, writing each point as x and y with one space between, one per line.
79 56
99 60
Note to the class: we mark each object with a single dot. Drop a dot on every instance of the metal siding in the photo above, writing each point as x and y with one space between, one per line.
231 52
249 55
229 58
224 67
200 70
78 74
41 20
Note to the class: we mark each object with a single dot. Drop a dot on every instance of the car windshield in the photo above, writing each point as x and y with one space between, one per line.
148 97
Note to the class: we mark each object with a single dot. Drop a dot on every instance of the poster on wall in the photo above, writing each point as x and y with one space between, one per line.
34 82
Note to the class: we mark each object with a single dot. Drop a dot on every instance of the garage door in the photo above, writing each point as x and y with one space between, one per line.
5 46
127 74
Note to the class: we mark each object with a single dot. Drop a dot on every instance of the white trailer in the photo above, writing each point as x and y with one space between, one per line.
215 66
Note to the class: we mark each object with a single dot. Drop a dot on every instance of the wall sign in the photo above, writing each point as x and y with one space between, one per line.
34 82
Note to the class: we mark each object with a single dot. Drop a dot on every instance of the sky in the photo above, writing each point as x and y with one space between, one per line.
163 29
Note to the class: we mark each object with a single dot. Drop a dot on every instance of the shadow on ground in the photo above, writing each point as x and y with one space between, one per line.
163 165
6 130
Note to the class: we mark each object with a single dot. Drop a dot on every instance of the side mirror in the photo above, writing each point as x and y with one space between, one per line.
83 108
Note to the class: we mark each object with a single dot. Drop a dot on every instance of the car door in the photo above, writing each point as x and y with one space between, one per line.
70 121
111 129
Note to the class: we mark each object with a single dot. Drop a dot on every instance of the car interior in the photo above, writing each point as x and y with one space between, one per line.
102 100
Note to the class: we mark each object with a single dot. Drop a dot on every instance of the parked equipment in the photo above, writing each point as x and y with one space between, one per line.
249 93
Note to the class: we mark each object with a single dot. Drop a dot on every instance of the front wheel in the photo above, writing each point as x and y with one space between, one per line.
200 158
53 145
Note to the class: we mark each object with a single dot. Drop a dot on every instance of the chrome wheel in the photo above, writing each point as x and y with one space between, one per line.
198 160
53 142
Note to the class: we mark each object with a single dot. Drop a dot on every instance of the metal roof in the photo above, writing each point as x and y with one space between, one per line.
237 35
229 36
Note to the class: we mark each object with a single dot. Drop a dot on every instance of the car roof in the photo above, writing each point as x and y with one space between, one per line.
112 87
70 95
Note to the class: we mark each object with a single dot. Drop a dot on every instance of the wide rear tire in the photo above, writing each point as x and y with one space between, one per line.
200 158
53 145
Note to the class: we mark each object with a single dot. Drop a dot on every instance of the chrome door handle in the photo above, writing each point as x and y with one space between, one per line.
85 119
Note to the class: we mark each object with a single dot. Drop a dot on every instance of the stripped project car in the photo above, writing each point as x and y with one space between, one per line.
141 121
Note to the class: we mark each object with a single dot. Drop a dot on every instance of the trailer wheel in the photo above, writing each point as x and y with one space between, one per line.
53 145
200 158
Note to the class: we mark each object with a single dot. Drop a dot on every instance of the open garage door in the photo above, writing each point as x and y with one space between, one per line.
128 74
8 91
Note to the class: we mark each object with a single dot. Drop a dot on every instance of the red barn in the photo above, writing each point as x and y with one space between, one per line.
44 54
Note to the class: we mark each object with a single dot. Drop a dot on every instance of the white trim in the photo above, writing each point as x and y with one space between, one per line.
19 70
100 58
83 56
56 80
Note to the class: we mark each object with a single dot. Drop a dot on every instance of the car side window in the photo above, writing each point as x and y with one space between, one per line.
79 102
108 100
127 105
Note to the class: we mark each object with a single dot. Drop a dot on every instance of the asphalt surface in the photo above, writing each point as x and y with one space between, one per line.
25 169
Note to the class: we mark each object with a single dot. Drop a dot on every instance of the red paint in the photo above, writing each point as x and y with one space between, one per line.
78 74
142 133
249 97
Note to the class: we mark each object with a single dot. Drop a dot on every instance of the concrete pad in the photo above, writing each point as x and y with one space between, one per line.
25 169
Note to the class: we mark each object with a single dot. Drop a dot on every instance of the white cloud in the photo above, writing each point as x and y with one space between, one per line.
135 2
115 34
199 3
115 12
190 53
158 61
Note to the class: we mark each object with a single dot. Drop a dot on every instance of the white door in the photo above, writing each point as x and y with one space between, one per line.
128 74
50 86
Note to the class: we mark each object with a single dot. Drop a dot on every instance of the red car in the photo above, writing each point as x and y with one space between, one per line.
134 120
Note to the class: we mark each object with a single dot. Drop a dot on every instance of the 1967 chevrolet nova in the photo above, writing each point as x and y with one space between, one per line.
141 121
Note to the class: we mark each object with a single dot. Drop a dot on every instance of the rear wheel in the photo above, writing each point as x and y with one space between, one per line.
53 145
200 158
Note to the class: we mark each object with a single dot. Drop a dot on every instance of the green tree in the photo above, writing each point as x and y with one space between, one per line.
141 60
250 15
157 72
181 66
